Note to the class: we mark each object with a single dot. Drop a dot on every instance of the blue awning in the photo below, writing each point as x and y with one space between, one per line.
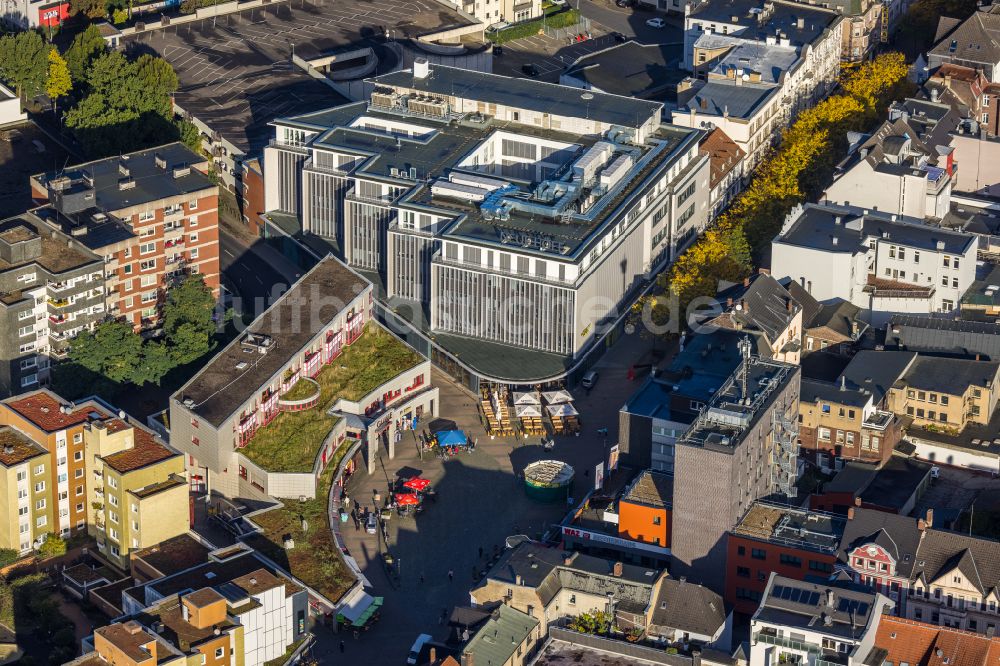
452 438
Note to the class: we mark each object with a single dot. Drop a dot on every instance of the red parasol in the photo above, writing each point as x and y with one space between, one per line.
407 499
417 484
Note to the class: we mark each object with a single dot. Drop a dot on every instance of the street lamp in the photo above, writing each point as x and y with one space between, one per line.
603 432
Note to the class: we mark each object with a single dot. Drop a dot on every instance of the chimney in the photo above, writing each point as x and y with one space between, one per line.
977 357
518 580
829 598
788 304
763 271
729 302
850 513
921 525
696 658
843 383
433 655
930 518
990 631
468 659
746 282
857 501
617 570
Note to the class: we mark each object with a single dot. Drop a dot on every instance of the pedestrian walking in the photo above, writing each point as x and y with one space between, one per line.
342 646
356 634
451 575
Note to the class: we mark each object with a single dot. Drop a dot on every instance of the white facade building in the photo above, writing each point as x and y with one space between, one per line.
511 211
814 625
880 262
10 107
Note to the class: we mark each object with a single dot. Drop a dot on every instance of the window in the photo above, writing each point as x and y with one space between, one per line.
22 475
902 253
112 481
41 521
147 248
743 572
656 520
79 473
39 469
741 550
944 400
758 554
790 560
112 500
193 253
954 262
916 256
220 652
146 216
823 567
193 205
947 261
824 434
28 380
147 265
40 504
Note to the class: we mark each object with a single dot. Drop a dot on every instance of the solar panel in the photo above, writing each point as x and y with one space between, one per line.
852 606
813 598
796 593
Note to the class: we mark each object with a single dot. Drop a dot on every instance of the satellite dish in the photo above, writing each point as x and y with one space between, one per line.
739 307
746 77
629 329
587 96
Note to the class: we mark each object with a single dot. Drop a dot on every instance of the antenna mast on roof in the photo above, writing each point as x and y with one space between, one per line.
744 347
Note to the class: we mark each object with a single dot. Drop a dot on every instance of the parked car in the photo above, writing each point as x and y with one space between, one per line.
371 525
656 22
498 26
619 38
624 3
529 69
418 645
589 379
497 51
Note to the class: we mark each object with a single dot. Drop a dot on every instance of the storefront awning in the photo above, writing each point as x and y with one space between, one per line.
557 397
526 398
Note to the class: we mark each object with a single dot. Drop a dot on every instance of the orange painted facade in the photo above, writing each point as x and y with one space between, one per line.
644 523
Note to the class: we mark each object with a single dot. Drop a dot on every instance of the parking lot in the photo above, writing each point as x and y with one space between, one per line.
235 70
609 25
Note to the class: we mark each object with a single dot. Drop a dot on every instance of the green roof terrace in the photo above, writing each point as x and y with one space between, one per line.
291 442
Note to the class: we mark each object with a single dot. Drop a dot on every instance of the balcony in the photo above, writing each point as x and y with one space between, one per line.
59 286
174 243
288 146
878 420
780 641
887 288
58 302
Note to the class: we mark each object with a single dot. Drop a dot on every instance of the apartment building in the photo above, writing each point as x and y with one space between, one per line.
152 215
728 170
761 305
512 212
840 422
490 12
894 486
224 418
740 448
26 500
550 586
814 624
906 167
138 493
230 611
52 288
787 540
878 261
102 473
755 65
834 327
258 610
969 43
946 393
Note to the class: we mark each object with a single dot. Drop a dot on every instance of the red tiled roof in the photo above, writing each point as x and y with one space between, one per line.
42 409
145 450
920 644
15 447
723 153
116 425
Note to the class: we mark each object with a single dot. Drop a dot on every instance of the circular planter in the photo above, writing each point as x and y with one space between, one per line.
301 403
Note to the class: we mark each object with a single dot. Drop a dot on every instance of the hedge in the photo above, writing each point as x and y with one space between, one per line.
562 19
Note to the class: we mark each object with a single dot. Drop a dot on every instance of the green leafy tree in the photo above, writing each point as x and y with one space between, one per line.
90 8
156 363
24 63
59 83
190 135
112 350
53 546
85 48
189 303
119 16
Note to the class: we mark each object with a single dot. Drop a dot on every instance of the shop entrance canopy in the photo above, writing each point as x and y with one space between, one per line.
452 438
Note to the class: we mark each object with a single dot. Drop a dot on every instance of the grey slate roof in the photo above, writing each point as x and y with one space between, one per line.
720 97
838 316
810 306
877 371
899 536
890 486
815 390
941 552
784 18
501 636
764 305
688 608
632 69
949 375
924 333
976 40
522 93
